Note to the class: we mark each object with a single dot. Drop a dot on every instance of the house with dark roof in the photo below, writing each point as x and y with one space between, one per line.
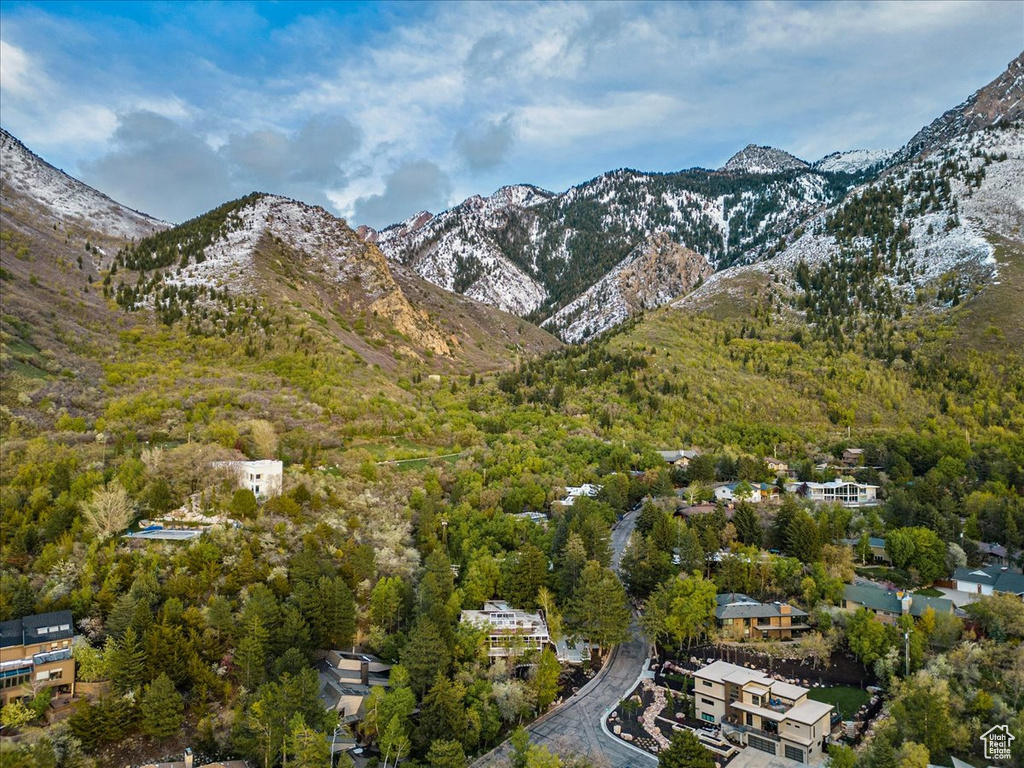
997 554
876 545
888 606
750 618
35 652
679 458
993 579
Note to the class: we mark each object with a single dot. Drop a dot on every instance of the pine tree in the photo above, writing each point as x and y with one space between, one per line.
748 524
685 751
446 753
305 747
161 708
250 658
425 655
127 663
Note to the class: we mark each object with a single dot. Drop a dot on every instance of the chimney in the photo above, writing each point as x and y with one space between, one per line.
784 609
905 603
188 757
364 672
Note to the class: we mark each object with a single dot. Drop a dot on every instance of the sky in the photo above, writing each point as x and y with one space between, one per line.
379 110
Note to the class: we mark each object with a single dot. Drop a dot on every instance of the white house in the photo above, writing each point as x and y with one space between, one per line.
993 579
573 492
264 477
845 492
767 714
510 632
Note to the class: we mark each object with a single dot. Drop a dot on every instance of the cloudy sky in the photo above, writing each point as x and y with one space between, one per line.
376 111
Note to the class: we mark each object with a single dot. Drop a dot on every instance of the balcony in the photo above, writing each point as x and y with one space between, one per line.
51 656
750 729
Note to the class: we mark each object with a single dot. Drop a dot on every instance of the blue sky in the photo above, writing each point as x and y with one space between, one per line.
378 110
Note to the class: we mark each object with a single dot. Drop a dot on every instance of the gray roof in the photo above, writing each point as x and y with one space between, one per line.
999 577
878 599
728 598
756 611
43 627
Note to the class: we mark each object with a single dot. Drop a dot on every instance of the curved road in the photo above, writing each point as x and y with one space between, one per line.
575 726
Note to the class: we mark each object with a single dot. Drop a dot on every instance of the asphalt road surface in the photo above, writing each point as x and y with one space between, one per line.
575 727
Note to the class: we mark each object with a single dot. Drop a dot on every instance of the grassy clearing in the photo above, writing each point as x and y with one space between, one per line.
847 700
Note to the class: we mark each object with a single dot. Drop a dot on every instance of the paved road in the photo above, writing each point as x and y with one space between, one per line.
575 728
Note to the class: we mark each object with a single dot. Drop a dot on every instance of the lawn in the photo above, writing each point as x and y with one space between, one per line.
930 592
846 699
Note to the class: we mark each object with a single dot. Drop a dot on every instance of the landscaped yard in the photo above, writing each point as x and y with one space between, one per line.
930 592
846 699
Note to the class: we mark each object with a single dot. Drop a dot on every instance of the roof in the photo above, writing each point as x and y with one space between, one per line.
718 671
56 625
1010 582
999 577
875 542
731 598
809 711
673 456
755 610
878 599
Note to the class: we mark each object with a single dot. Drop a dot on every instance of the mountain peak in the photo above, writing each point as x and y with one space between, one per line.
760 159
1002 100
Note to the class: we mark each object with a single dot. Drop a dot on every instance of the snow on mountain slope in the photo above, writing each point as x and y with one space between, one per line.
653 274
946 232
755 159
853 161
54 193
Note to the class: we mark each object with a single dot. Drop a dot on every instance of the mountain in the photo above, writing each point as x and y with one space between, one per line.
1000 101
30 183
653 274
854 161
755 159
269 294
534 252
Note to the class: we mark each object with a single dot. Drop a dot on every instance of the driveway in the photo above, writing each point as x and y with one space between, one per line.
574 728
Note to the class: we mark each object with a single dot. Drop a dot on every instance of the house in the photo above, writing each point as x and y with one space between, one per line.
853 457
777 466
679 458
997 554
761 712
888 606
510 632
775 621
876 545
993 579
759 492
845 492
264 477
346 679
573 492
35 653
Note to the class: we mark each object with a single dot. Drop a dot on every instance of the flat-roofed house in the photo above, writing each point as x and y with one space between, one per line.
775 621
845 492
264 477
767 714
35 652
510 632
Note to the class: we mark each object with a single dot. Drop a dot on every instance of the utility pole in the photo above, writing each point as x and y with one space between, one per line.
906 650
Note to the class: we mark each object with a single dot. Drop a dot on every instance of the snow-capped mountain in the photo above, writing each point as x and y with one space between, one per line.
653 274
755 159
1001 101
534 252
65 200
853 161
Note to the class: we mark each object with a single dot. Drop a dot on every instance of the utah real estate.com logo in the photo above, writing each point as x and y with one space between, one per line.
997 742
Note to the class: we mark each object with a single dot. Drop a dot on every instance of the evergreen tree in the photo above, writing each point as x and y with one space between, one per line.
161 708
425 655
127 663
685 751
305 747
600 610
443 712
446 753
748 524
250 660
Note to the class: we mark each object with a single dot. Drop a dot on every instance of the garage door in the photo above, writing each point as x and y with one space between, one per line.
795 753
765 745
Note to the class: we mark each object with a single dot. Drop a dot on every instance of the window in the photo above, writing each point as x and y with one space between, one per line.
709 702
795 753
706 684
750 719
706 717
756 698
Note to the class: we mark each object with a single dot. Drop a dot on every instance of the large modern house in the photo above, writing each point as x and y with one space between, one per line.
264 477
845 492
35 652
773 621
510 632
761 712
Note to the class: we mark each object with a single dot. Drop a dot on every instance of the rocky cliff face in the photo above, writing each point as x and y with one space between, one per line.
755 159
653 274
